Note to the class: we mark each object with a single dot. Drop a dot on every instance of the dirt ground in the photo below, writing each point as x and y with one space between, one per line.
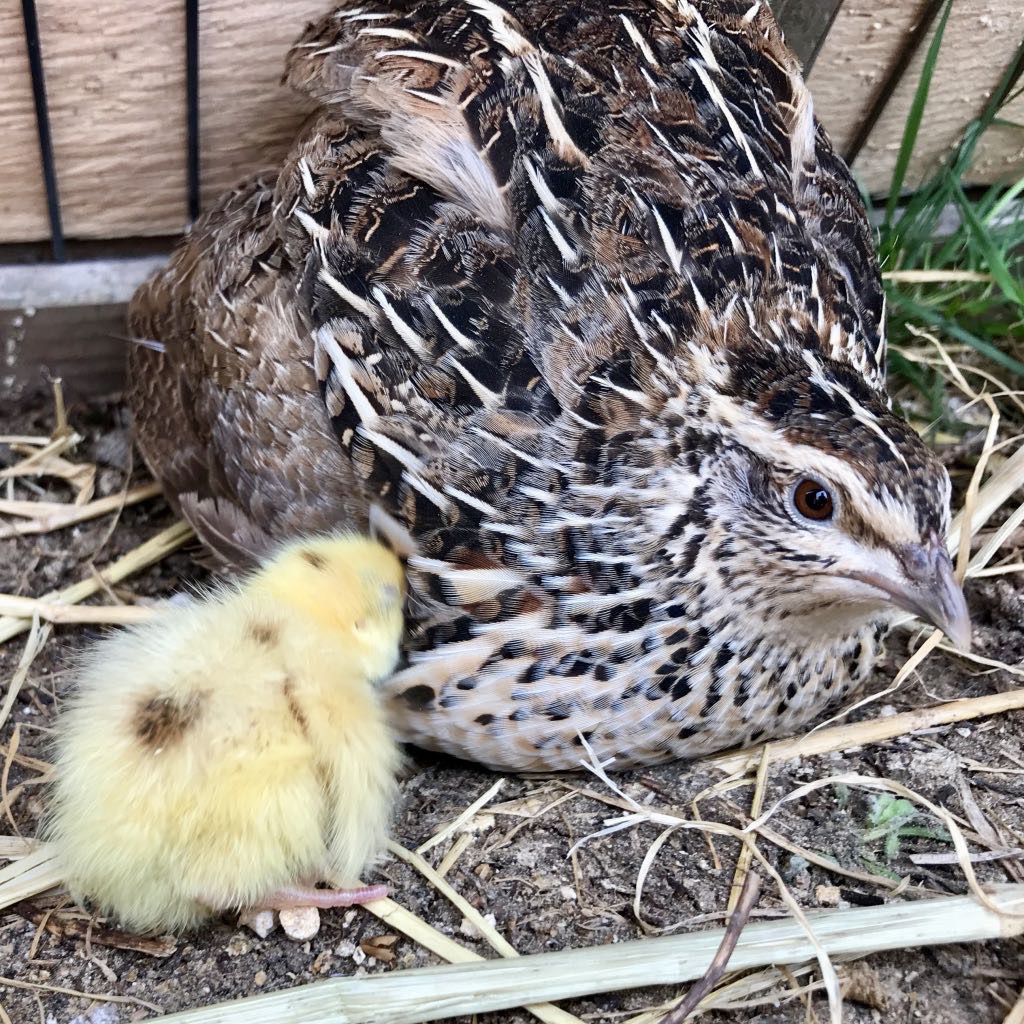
518 869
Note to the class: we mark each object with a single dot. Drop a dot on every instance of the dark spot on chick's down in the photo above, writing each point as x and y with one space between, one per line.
162 721
294 708
418 698
264 633
313 558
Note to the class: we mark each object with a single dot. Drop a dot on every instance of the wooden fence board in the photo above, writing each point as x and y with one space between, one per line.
22 198
115 77
980 41
116 82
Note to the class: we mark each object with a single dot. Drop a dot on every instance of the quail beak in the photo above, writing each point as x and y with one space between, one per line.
929 590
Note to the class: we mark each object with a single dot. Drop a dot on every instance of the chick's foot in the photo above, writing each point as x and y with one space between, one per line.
307 896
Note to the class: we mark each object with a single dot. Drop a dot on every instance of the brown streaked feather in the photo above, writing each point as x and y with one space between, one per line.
530 271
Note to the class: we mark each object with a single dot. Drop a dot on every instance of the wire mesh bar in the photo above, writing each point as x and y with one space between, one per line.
35 65
192 104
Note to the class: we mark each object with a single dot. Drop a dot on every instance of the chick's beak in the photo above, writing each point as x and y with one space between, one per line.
929 590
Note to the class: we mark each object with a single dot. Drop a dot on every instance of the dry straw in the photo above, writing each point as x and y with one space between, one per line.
433 993
474 986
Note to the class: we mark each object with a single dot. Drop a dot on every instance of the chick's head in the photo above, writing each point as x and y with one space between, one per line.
349 584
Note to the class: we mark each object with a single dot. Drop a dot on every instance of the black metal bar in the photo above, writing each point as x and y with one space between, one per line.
35 65
806 26
885 91
192 103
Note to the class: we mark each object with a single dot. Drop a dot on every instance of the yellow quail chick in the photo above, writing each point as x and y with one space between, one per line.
233 752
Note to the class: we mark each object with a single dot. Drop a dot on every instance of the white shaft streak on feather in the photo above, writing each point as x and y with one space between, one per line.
701 33
429 97
470 585
637 397
359 14
562 244
719 100
343 370
307 178
734 240
548 199
489 399
564 145
411 464
310 226
596 603
424 55
751 12
347 294
675 256
663 139
472 501
652 88
641 44
390 33
503 30
862 415
508 37
416 342
803 151
565 297
540 496
816 295
384 525
500 442
453 332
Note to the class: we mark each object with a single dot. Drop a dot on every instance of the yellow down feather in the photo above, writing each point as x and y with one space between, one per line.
234 745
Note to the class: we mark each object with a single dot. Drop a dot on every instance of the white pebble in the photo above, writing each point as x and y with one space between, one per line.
300 923
259 921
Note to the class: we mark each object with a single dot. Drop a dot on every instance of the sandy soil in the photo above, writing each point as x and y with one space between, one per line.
519 869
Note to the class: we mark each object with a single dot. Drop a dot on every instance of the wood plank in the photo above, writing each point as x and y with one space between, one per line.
115 76
980 41
116 81
22 198
67 321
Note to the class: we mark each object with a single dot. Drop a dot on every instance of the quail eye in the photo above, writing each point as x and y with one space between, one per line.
813 500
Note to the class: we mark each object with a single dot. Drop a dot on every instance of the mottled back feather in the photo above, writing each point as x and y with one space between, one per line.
540 259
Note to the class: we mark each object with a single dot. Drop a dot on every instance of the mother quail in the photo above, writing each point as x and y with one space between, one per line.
578 298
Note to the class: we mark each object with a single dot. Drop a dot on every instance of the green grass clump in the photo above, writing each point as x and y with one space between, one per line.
984 307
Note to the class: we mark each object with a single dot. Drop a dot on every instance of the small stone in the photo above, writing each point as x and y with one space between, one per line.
259 921
345 948
259 979
483 871
478 823
322 963
300 923
567 892
379 947
107 1013
238 945
827 895
470 930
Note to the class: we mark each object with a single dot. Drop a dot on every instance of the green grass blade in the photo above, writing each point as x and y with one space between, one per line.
954 330
997 265
914 117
